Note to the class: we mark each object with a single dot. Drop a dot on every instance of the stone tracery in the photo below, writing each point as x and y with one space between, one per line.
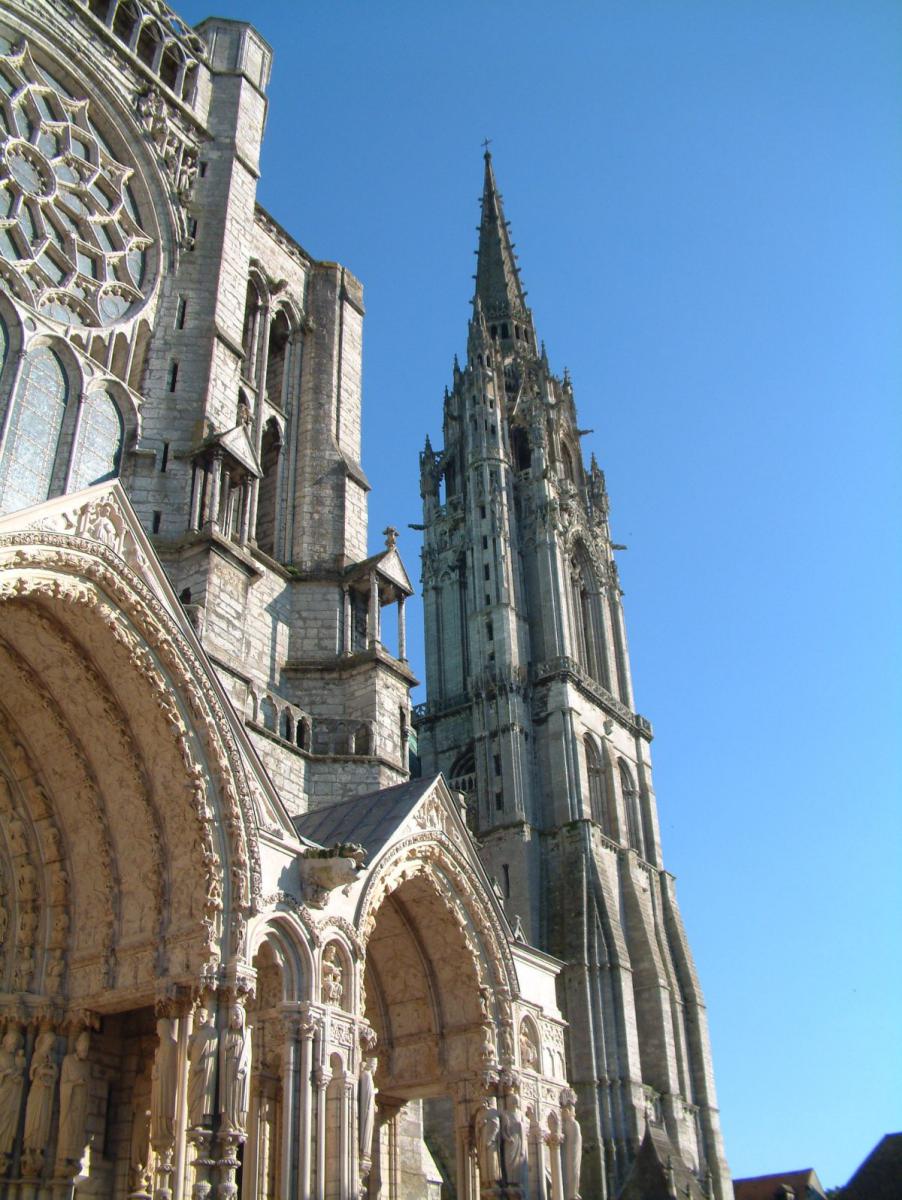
70 234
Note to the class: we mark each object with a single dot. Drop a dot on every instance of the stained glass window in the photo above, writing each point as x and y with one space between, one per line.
38 408
99 441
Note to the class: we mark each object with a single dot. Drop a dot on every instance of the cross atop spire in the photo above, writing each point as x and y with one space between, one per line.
498 285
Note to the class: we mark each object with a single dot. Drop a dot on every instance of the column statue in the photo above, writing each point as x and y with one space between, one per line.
75 1093
39 1107
202 1049
12 1084
573 1144
234 1072
487 1128
513 1141
164 1080
367 1107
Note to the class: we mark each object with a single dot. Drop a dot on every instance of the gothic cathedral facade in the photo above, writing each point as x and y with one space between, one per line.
530 714
242 951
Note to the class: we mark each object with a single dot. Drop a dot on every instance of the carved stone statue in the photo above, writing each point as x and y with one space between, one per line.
367 1106
513 1139
234 1072
487 1128
75 1093
39 1108
573 1144
164 1078
528 1056
12 1084
202 1050
332 981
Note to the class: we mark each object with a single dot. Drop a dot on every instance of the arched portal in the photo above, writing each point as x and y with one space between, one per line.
128 850
422 982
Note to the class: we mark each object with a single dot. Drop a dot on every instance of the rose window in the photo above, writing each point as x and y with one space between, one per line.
71 241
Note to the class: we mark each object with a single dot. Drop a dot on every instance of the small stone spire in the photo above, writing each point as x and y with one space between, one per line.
498 286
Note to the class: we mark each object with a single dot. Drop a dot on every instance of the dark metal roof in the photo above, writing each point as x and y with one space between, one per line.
368 821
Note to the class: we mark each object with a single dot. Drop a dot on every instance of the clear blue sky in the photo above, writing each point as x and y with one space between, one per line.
705 197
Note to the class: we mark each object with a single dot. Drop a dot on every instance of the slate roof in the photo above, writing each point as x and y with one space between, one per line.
804 1184
368 820
880 1175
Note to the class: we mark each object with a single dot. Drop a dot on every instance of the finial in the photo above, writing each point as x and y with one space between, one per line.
428 447
391 537
485 147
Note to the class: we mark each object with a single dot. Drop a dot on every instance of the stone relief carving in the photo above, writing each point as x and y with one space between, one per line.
176 153
529 1054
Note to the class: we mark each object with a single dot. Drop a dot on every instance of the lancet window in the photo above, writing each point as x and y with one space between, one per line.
271 365
631 803
587 616
598 789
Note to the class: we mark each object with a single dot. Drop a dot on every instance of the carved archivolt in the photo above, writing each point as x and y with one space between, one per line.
434 855
78 596
103 560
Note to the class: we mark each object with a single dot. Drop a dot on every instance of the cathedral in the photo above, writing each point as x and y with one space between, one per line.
244 951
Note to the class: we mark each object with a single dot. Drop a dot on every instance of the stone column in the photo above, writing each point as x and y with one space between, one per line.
553 1141
245 511
347 1145
198 486
321 1078
203 1164
402 631
225 502
289 1078
467 1187
373 630
306 1032
215 490
346 628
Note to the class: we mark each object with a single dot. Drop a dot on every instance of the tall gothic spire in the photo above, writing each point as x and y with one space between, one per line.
498 287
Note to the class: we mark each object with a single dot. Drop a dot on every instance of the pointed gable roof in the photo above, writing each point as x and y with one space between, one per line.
659 1172
498 288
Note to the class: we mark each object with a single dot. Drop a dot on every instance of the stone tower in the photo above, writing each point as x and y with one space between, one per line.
530 713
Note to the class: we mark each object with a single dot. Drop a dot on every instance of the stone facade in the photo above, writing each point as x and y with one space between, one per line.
240 951
530 713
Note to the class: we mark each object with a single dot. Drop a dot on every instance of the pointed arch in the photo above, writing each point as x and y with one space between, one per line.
588 634
33 429
599 792
99 436
633 809
270 456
